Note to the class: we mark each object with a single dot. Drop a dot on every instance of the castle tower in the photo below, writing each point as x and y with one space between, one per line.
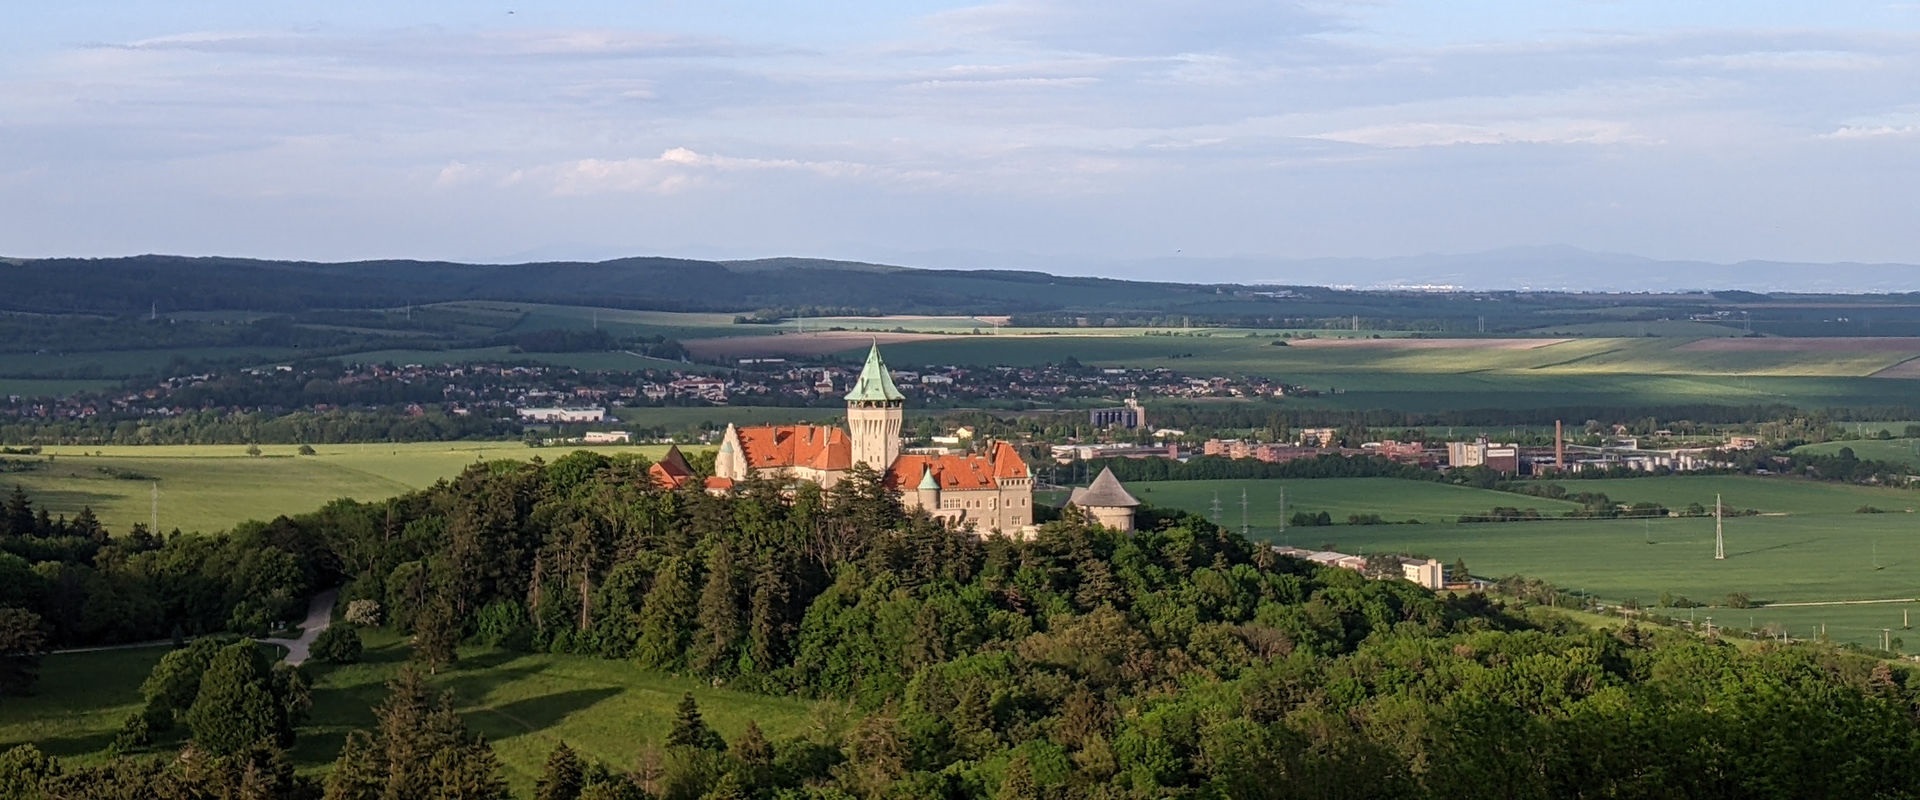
875 414
1107 502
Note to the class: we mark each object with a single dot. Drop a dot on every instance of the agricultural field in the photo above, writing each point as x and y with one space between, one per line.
1807 546
524 704
1898 451
1395 500
1769 495
210 488
54 387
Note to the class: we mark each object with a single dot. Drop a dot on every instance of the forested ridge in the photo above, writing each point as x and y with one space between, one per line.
1181 660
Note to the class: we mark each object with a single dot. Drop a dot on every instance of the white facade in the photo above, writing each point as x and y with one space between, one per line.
563 414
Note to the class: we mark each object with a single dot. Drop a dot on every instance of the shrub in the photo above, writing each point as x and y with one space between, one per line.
338 644
365 613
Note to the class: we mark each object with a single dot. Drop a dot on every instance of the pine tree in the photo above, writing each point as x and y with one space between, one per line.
664 618
768 627
420 749
436 635
235 709
19 513
564 776
690 729
752 748
718 634
755 755
87 525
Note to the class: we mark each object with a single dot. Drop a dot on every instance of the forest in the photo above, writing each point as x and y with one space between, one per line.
1177 661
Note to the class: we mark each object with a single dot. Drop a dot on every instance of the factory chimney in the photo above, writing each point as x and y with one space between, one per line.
1559 447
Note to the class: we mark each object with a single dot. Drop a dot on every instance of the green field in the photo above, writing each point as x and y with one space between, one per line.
1780 494
51 387
1808 546
212 487
1396 500
1898 451
524 705
1578 372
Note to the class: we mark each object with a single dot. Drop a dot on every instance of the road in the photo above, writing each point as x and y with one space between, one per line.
319 616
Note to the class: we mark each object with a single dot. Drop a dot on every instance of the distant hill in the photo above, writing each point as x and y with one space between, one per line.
1549 268
175 283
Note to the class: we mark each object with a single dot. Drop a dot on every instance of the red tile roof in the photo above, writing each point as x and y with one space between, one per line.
819 447
958 473
672 470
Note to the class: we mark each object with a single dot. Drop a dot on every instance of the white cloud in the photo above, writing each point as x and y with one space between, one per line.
1790 61
1513 131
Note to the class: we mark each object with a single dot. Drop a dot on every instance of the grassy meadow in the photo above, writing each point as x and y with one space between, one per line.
212 487
524 704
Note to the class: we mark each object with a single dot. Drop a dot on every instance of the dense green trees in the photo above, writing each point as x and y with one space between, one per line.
21 642
420 748
1179 660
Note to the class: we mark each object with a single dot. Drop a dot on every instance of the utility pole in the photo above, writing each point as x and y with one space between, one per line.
1886 639
1244 529
1283 510
1216 508
1719 535
155 530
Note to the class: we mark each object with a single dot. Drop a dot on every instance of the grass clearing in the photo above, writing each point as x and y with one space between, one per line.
523 703
209 488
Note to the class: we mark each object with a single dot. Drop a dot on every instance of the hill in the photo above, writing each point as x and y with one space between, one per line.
137 284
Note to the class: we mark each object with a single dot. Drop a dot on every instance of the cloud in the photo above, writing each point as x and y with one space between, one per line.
1513 131
679 168
1142 27
1871 131
1789 61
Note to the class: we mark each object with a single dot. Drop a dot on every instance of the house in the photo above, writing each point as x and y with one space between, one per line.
672 470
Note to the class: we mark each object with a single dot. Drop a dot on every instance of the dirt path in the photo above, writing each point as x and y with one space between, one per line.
319 616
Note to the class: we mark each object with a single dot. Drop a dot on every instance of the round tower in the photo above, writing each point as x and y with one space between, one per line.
875 413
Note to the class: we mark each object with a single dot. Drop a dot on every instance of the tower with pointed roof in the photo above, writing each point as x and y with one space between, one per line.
1106 501
987 492
875 414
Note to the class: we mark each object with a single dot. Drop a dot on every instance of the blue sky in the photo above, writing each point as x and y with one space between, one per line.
1017 133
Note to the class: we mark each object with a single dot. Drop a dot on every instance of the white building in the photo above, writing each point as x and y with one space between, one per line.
563 414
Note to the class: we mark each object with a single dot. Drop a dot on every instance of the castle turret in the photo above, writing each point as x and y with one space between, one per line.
875 414
1107 502
928 491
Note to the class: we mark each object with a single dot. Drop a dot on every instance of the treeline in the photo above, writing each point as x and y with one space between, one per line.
85 586
240 428
1180 661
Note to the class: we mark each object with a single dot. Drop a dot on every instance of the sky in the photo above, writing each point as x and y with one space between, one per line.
1012 133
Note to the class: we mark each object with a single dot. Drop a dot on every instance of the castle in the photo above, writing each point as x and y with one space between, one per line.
991 492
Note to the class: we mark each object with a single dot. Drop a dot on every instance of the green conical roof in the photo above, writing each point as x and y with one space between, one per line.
927 481
874 384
